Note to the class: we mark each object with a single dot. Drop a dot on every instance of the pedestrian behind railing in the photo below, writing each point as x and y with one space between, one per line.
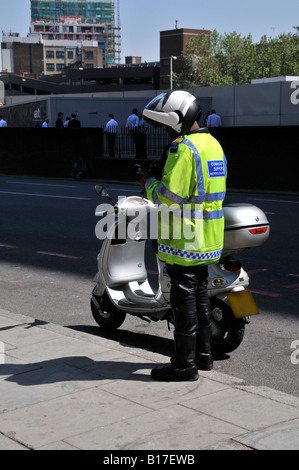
156 140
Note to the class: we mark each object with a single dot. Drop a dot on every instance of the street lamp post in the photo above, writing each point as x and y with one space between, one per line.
173 57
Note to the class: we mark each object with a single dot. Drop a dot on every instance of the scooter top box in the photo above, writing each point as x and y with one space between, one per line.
246 226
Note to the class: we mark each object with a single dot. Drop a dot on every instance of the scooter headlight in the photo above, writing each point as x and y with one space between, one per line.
218 282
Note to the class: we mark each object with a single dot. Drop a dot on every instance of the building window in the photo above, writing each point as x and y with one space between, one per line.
60 67
50 67
88 54
50 55
70 54
59 54
165 63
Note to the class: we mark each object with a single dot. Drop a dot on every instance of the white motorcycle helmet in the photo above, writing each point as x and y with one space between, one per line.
177 110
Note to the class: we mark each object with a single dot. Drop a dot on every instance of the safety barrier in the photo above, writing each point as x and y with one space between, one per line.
258 157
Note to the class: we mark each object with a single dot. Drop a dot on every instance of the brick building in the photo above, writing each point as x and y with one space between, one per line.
172 45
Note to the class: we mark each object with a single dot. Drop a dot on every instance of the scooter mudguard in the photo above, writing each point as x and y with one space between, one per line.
242 304
100 287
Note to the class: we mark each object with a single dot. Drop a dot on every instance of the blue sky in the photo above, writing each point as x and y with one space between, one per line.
142 20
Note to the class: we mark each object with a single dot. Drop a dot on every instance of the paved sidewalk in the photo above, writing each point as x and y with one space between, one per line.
62 389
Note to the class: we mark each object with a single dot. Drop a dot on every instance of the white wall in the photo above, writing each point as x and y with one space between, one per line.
263 104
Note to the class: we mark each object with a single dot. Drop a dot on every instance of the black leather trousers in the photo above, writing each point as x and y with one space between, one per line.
189 297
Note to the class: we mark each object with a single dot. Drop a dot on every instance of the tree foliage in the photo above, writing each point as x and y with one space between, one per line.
230 59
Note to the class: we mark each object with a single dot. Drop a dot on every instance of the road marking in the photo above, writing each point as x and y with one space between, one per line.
254 271
274 200
46 195
42 184
2 245
60 255
268 294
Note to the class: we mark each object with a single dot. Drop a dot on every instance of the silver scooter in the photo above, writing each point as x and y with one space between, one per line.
124 284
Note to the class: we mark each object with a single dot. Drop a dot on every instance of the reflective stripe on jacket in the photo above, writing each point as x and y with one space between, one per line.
189 199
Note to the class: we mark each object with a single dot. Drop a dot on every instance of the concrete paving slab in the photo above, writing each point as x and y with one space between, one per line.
43 384
114 364
9 444
19 335
272 394
159 395
247 410
58 419
14 366
228 445
172 428
282 436
61 445
58 347
64 389
6 322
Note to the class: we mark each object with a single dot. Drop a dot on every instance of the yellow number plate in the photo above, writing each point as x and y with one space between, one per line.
242 304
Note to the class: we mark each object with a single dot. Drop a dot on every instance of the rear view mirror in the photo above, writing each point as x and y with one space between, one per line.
101 190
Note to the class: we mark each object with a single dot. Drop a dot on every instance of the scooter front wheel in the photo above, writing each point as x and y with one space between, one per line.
105 313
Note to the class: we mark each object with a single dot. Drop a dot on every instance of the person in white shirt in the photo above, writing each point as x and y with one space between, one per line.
214 120
132 127
3 123
66 122
111 130
132 121
46 123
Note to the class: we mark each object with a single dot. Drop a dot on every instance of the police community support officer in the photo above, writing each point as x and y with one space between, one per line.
192 188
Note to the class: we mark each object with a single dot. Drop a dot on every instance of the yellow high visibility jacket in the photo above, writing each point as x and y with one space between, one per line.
189 199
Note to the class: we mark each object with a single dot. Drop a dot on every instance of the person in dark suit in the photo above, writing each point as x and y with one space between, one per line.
59 121
74 122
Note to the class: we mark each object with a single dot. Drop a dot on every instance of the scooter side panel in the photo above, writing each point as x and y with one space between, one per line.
125 264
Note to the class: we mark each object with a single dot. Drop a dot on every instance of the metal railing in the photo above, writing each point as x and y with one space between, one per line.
156 140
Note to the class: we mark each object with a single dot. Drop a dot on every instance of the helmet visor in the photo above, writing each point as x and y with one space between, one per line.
158 102
155 114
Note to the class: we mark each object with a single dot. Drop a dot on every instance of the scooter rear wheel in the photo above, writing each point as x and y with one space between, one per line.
227 331
107 316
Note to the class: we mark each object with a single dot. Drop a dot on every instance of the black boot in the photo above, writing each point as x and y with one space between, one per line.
203 357
183 368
